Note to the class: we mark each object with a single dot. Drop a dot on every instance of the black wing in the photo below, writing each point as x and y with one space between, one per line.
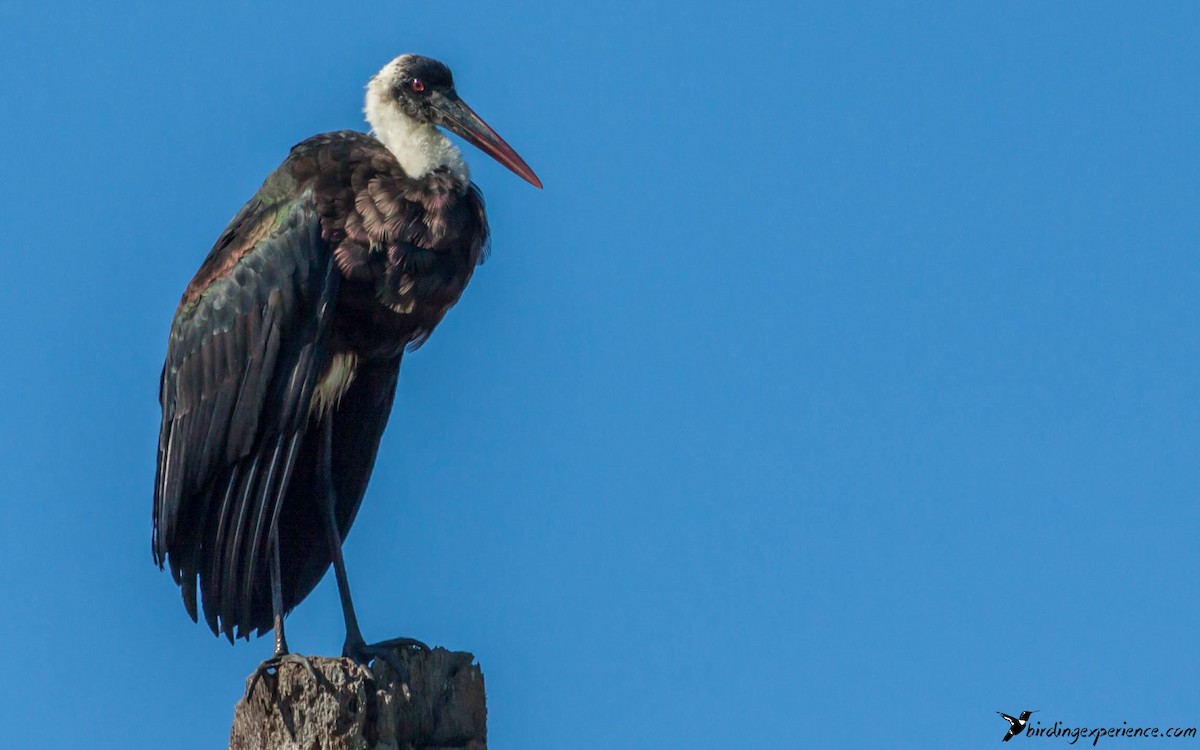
246 348
358 423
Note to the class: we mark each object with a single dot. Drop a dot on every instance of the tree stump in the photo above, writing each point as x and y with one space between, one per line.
350 708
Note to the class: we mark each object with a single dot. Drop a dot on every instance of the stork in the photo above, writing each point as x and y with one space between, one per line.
284 352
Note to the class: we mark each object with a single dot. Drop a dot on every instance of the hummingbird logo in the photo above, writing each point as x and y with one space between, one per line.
1017 725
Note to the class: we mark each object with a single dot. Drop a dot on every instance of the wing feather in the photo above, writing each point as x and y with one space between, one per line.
247 347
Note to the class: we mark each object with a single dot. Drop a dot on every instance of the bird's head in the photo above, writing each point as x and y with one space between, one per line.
410 98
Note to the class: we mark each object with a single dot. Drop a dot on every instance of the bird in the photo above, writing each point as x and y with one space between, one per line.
1015 726
284 352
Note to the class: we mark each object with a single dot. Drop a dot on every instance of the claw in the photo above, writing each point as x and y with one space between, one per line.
274 663
395 644
388 652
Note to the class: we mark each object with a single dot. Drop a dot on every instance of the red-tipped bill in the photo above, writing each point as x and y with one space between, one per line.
461 119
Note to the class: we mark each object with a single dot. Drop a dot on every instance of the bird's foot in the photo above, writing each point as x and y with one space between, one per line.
388 651
272 665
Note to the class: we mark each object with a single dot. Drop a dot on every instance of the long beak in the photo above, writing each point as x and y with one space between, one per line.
461 119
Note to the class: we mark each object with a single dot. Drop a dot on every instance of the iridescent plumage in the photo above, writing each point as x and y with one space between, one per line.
291 333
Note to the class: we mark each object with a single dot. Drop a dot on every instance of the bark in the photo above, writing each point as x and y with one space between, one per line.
348 707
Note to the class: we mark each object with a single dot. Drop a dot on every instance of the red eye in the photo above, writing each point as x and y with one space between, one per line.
417 85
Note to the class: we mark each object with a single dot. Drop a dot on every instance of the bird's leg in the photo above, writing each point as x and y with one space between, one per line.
281 655
355 647
281 646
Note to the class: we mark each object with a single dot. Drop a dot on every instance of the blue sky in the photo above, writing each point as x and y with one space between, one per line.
839 390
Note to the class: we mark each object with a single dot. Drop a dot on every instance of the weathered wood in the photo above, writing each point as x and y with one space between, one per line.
349 708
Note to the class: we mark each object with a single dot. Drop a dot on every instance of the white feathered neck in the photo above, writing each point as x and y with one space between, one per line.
418 146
